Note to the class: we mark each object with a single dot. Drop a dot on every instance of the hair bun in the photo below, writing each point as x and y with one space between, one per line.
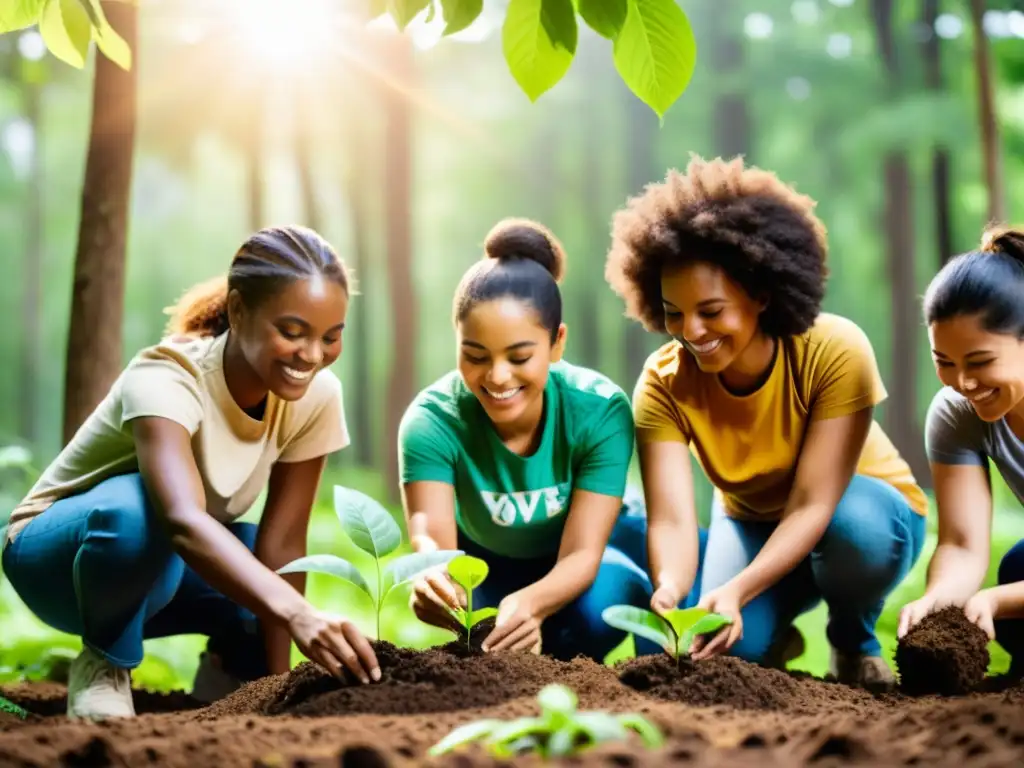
523 239
1009 242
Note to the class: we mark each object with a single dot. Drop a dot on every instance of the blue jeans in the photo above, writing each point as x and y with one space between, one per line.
1010 632
871 543
100 566
578 629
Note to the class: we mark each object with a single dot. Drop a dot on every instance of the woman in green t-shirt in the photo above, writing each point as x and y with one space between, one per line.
520 458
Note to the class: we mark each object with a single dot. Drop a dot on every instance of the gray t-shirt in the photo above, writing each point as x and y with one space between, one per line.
955 435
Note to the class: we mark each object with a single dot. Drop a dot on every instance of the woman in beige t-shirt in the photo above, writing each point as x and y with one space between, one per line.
130 533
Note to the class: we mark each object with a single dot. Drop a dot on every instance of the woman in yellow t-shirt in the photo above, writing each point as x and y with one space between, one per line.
775 400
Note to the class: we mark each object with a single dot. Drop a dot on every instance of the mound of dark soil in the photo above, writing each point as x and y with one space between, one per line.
728 681
945 654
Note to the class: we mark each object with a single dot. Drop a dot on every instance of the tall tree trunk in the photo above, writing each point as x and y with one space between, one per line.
902 423
253 147
398 204
731 113
303 136
31 337
97 305
986 116
932 51
359 178
642 136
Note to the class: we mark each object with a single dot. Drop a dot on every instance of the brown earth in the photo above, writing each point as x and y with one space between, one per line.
945 653
722 712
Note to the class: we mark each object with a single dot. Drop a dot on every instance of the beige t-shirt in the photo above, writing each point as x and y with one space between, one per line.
182 379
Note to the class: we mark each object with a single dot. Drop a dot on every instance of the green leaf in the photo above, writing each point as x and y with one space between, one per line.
601 727
19 14
655 52
563 741
459 14
515 746
110 43
407 567
480 614
330 565
468 572
463 735
404 11
539 42
6 705
606 17
366 522
66 30
640 622
648 732
517 729
557 699
712 622
682 619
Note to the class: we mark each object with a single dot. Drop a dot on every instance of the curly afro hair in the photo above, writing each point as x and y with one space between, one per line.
759 231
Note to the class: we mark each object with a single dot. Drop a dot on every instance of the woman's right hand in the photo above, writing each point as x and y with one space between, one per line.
929 603
433 594
333 642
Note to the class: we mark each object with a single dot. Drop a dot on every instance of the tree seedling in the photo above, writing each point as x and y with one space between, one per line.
559 731
674 631
469 573
373 530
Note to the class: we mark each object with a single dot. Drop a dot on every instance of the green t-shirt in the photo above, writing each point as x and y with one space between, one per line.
516 505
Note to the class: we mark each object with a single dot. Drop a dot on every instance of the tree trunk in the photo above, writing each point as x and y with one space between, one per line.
303 136
359 178
398 204
254 151
986 116
642 137
97 306
31 339
932 51
731 113
902 423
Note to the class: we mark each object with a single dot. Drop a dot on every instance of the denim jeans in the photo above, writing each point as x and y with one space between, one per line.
871 543
1010 632
578 629
100 566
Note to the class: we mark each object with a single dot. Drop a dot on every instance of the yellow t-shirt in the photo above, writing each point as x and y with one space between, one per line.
749 445
182 379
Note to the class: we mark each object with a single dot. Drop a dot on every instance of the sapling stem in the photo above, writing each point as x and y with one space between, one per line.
380 598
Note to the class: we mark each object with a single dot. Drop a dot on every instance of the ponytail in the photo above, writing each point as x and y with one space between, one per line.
202 310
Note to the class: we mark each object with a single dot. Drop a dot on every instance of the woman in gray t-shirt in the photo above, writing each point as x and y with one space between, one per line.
974 309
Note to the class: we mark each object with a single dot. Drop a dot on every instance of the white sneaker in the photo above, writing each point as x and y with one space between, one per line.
97 689
211 681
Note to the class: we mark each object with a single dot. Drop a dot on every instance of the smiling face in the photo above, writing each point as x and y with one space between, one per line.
987 368
504 356
292 334
710 314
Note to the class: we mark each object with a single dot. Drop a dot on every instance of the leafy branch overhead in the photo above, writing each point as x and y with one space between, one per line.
67 27
652 41
373 530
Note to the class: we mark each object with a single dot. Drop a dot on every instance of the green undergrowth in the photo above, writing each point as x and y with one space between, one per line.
31 650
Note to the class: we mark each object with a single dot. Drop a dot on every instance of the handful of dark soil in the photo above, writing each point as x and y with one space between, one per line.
945 653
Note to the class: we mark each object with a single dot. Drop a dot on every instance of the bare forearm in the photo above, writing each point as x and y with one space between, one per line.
227 565
1008 600
569 578
277 638
956 572
792 540
673 553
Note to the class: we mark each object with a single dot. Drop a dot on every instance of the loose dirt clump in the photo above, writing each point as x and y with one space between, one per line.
944 653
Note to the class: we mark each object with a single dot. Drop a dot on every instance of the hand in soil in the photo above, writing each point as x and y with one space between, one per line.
334 643
725 602
434 596
926 605
517 627
980 610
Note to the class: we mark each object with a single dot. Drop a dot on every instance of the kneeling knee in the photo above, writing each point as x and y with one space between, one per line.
1011 567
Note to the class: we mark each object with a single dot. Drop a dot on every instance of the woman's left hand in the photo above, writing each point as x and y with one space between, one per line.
517 627
725 601
981 610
